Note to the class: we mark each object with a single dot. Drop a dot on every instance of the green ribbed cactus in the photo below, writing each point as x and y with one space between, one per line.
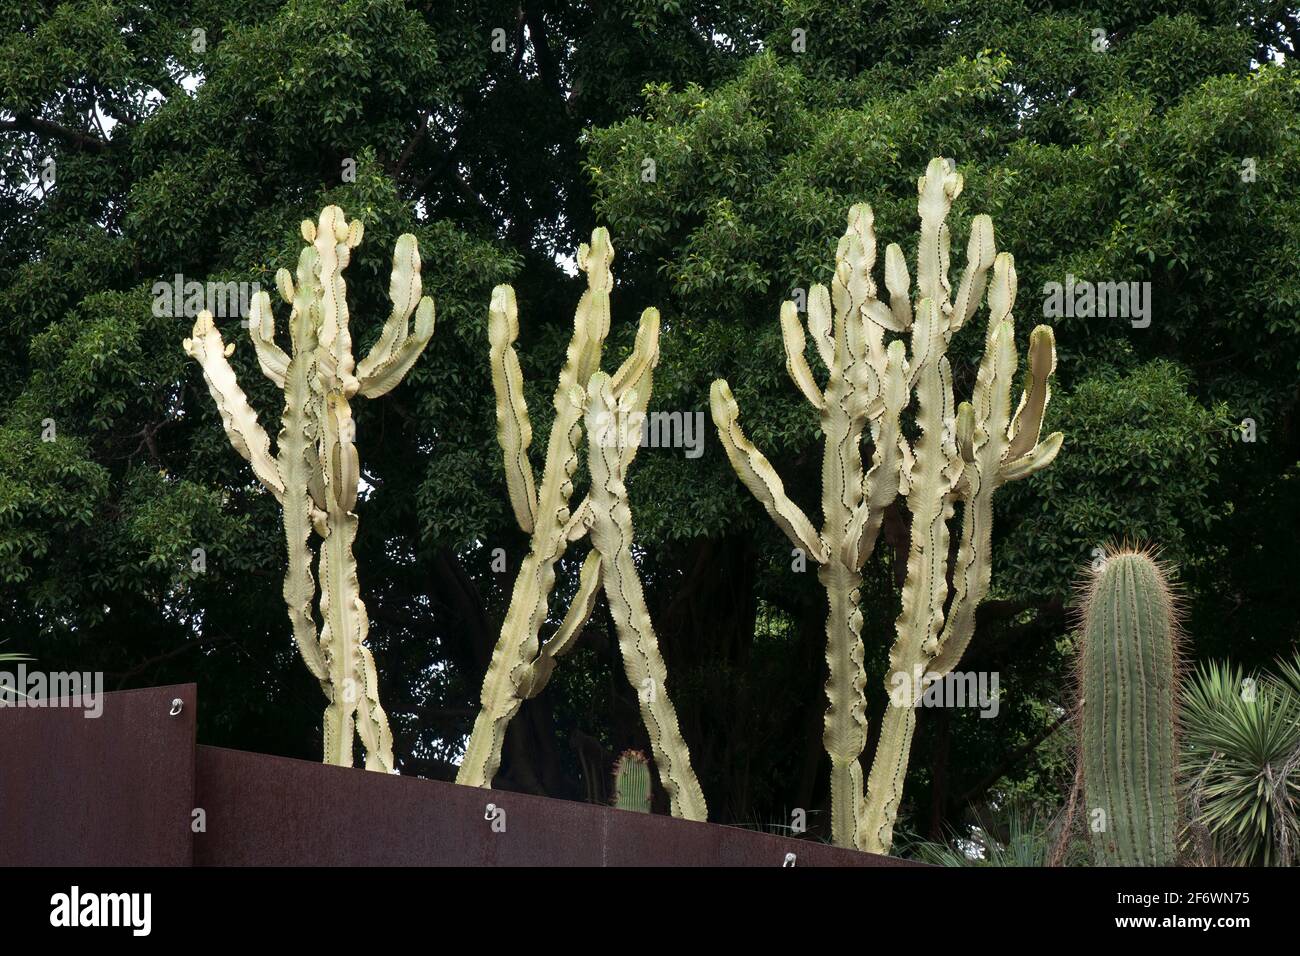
632 781
961 454
1128 682
521 664
315 471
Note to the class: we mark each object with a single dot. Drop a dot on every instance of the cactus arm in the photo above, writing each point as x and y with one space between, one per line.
333 240
898 282
514 430
398 346
635 378
563 640
299 464
819 323
237 417
611 535
980 252
758 475
517 647
1033 461
1027 423
993 467
591 320
509 670
390 373
881 485
936 191
796 363
354 697
930 501
404 287
632 374
372 723
261 329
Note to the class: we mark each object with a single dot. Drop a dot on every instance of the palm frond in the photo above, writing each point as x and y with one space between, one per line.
1241 764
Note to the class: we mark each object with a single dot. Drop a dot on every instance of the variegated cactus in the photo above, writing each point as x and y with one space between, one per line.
613 431
521 664
315 470
961 454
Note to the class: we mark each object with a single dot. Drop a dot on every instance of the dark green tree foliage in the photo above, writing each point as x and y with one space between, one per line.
500 134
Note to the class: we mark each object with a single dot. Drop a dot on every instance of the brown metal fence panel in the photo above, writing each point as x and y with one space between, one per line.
274 811
111 790
130 787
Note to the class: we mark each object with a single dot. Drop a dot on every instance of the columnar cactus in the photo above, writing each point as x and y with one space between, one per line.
315 471
632 782
961 454
521 664
1128 683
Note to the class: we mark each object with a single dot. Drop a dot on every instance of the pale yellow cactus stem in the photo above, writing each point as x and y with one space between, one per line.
297 456
511 675
514 430
967 463
611 538
237 416
955 459
315 473
867 384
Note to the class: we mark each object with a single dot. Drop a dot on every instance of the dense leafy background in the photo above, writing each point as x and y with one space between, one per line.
1119 165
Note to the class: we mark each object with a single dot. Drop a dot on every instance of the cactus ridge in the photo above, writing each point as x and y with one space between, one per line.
632 789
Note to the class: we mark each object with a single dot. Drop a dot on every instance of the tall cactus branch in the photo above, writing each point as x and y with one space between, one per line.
613 429
520 667
962 454
315 471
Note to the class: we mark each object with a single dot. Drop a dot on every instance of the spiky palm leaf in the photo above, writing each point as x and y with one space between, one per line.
1241 763
1029 843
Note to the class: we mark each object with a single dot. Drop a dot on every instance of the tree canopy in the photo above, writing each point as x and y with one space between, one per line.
722 144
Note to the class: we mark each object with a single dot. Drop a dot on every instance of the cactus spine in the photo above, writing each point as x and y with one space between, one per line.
1128 667
962 454
632 782
315 471
521 664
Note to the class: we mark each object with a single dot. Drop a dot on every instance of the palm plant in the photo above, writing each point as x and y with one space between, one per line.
1241 764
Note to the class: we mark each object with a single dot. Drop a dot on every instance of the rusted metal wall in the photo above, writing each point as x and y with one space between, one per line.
272 810
122 789
112 790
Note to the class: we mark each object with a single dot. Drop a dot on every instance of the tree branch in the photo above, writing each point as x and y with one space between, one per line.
25 123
